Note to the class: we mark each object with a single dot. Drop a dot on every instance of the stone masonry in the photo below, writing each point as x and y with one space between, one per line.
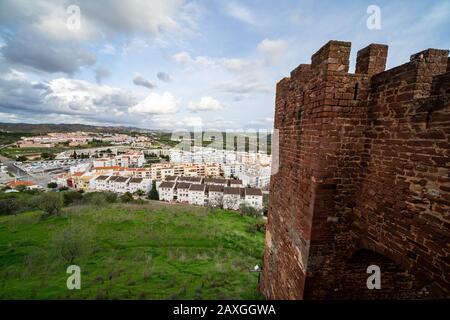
363 178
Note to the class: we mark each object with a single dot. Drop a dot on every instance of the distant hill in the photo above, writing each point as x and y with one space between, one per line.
62 127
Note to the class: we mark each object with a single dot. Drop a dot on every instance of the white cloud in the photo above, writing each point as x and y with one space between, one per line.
240 12
182 57
139 80
274 50
101 73
14 75
205 104
230 64
81 97
41 39
188 122
163 76
244 85
108 49
156 103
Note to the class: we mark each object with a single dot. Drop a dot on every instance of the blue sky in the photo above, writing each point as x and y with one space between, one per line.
165 64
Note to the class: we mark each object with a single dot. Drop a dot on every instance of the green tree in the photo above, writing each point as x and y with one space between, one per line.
52 185
21 188
8 206
70 197
153 193
50 202
127 197
47 155
21 158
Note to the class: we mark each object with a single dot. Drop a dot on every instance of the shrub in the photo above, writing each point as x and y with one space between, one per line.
111 197
100 198
52 185
257 226
95 198
21 188
70 197
71 243
47 155
50 202
127 197
246 210
8 206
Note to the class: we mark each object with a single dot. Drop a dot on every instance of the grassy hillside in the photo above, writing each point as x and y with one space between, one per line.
130 251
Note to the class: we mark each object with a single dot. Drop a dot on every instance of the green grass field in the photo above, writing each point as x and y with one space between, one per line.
130 251
13 152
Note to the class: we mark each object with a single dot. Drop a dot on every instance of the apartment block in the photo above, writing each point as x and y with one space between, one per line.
120 184
160 171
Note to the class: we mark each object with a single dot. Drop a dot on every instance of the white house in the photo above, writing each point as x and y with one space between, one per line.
215 195
235 183
192 180
216 181
197 194
60 180
166 191
118 184
105 162
231 198
253 197
100 183
136 184
183 192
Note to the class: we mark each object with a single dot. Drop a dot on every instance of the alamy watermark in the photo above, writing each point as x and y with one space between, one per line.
73 21
74 280
374 20
374 280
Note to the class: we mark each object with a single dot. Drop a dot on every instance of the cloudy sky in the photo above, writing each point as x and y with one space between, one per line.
164 64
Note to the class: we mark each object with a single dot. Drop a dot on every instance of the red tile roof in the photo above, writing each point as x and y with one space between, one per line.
14 184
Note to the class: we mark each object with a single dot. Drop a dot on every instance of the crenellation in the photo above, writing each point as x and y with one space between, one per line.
334 56
372 59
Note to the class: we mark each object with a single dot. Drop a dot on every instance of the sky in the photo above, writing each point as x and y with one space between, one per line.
174 64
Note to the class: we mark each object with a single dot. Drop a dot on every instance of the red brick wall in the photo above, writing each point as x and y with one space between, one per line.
364 164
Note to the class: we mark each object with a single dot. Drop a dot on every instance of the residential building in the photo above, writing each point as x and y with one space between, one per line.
215 195
182 189
81 180
118 184
100 183
193 180
253 198
197 194
232 169
136 184
159 171
27 184
216 181
166 191
231 198
235 183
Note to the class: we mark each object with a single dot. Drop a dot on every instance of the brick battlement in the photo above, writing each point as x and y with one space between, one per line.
363 178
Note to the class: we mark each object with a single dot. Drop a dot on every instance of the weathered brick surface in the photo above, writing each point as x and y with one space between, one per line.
363 178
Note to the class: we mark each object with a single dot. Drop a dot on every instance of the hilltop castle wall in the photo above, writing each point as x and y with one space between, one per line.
363 178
